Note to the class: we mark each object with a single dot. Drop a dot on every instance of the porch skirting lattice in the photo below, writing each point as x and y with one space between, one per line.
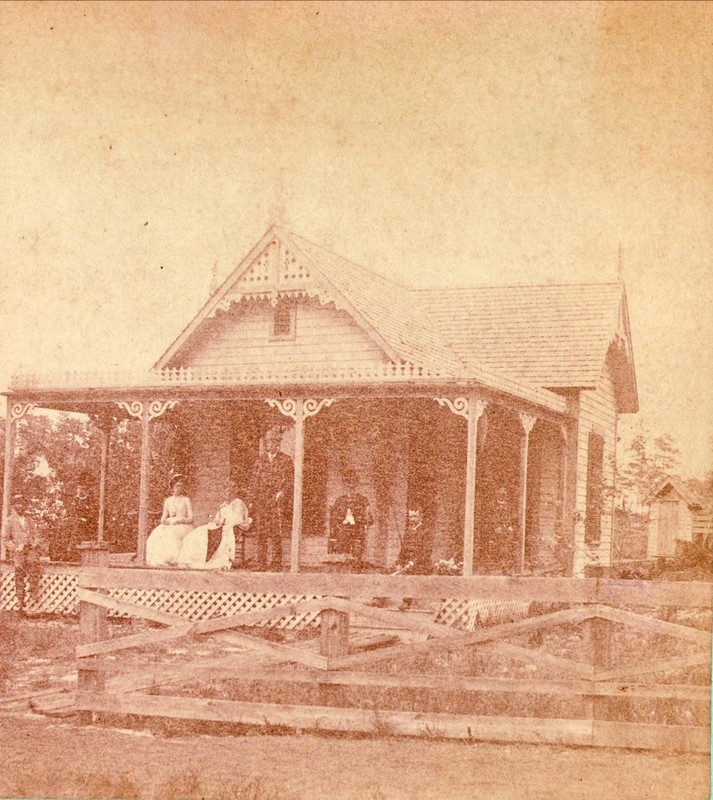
58 595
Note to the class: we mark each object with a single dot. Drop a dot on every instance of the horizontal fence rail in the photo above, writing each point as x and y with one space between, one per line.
357 647
597 662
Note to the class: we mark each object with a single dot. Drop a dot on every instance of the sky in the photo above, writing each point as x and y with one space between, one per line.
146 147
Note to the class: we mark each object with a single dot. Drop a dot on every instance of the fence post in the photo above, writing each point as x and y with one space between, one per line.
333 633
597 641
93 627
333 642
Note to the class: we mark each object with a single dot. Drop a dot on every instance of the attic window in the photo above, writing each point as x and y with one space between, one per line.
283 321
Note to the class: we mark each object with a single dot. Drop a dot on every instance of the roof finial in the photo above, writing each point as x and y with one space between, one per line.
620 266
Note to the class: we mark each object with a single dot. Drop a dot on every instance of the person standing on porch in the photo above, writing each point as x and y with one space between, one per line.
271 500
26 548
415 554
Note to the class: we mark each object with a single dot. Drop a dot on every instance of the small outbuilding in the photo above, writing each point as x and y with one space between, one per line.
677 519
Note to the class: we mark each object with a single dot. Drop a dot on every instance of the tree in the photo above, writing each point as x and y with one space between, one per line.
647 461
56 453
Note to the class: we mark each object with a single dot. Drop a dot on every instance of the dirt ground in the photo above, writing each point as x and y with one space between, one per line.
47 758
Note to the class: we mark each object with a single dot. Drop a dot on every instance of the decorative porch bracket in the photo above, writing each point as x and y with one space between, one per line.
459 405
16 411
145 411
472 408
298 410
527 421
19 410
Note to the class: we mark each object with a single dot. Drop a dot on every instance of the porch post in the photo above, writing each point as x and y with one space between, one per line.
475 411
144 411
565 488
527 422
298 410
297 493
7 476
472 408
105 430
143 486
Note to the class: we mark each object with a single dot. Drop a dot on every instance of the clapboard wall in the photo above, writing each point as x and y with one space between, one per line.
323 337
597 414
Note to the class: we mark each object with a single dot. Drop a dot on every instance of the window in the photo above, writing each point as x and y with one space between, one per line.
283 321
595 488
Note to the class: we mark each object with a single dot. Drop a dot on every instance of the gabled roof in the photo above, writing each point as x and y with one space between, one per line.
554 335
679 487
522 340
386 306
385 310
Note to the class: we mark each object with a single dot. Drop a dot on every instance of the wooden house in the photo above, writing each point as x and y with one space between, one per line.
677 519
437 397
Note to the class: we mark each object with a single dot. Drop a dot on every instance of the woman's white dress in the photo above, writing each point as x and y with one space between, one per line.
194 550
164 543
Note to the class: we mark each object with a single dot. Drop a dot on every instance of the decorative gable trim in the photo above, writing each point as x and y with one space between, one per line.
274 269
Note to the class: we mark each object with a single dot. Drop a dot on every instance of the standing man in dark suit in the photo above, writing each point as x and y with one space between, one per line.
271 500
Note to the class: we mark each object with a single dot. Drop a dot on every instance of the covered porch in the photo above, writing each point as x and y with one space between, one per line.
411 438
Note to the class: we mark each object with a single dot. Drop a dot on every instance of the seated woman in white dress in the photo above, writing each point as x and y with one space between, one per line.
212 546
164 544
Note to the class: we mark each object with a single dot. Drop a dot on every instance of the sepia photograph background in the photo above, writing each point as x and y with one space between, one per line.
146 146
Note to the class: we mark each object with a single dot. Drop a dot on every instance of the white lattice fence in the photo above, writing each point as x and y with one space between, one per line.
471 614
195 605
58 595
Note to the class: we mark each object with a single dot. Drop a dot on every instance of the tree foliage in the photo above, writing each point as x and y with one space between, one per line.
647 461
57 462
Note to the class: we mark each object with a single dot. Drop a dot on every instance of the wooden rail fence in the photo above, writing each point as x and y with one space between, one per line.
362 647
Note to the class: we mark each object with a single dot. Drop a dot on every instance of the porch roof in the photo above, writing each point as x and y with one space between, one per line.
87 384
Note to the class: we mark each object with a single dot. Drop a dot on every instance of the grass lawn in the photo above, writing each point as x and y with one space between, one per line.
50 758
44 758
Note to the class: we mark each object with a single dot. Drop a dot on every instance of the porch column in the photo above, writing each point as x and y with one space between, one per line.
7 478
527 422
13 412
144 486
565 540
297 492
472 408
298 409
145 411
